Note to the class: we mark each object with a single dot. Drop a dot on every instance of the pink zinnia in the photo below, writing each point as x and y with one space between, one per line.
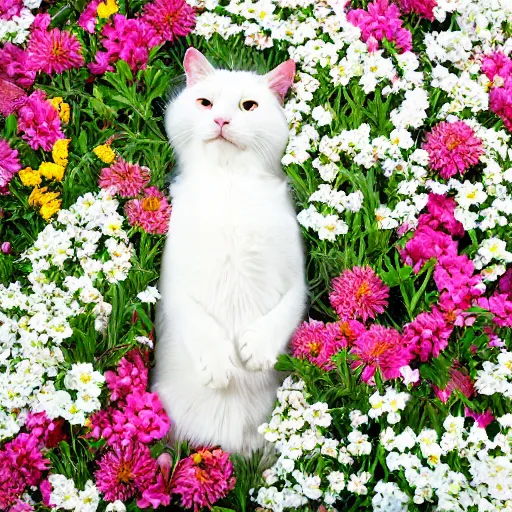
203 478
424 8
124 178
381 20
358 293
87 19
151 213
453 148
497 63
440 215
125 471
500 102
428 333
170 18
14 66
10 8
317 342
9 165
131 375
53 51
39 122
383 349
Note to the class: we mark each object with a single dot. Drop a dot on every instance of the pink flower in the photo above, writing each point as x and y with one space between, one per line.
453 148
14 66
151 213
21 506
124 178
428 333
10 8
5 247
125 471
459 380
12 97
500 102
497 63
358 293
203 478
424 8
9 165
48 432
145 412
382 20
39 122
505 283
126 39
131 375
440 215
384 349
53 51
483 419
46 489
87 19
500 306
170 18
318 343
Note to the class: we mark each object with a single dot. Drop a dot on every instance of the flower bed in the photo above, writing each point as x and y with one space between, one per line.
400 159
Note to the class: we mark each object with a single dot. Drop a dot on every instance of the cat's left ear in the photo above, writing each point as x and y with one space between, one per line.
280 79
196 66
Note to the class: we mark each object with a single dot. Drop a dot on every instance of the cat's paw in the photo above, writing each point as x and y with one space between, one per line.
216 368
254 349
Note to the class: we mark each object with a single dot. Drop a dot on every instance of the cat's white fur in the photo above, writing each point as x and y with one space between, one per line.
232 279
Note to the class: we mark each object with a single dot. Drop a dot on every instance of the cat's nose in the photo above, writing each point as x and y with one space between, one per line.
221 121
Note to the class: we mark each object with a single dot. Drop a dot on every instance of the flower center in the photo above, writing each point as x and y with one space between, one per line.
150 204
452 142
380 348
124 473
314 348
363 290
346 331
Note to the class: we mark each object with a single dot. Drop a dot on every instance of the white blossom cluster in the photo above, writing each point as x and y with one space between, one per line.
17 28
87 238
65 496
496 377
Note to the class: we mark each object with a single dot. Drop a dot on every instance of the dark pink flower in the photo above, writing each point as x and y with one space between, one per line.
145 412
45 487
453 148
441 216
10 8
9 165
14 66
505 283
131 375
124 178
21 506
170 18
383 349
53 51
428 333
12 97
424 8
358 293
500 306
483 419
5 247
497 63
459 381
87 19
48 432
151 213
39 122
381 20
500 102
203 478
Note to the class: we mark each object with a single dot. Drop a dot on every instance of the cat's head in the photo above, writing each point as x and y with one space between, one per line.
222 115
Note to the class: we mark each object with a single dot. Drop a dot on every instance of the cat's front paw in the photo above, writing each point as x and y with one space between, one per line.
216 368
254 349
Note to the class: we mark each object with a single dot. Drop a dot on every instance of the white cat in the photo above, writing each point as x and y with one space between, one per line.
232 279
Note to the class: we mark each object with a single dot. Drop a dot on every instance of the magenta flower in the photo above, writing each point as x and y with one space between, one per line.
203 478
500 102
424 8
9 165
131 375
124 178
145 412
428 333
382 20
500 306
440 215
170 18
358 293
21 506
53 51
10 8
505 284
151 213
39 122
497 63
483 419
87 19
459 380
48 432
317 342
453 148
14 66
383 349
5 247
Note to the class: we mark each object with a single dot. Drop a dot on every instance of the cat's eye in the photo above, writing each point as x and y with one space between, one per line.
249 105
203 102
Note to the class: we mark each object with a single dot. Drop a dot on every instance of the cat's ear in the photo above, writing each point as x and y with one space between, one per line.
196 66
280 79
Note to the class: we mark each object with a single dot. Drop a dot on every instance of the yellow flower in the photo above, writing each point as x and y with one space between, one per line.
51 171
60 152
107 8
105 153
62 107
50 208
29 177
40 196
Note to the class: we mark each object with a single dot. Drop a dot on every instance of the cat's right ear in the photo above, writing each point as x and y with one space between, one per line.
196 66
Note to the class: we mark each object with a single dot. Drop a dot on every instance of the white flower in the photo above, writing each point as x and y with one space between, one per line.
409 375
321 116
357 418
83 377
336 481
356 484
144 340
150 295
116 506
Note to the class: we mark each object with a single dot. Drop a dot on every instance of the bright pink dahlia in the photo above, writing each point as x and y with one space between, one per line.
9 165
125 471
10 8
482 419
441 216
14 66
428 333
39 122
131 375
424 8
170 18
382 20
203 478
87 19
497 63
453 148
384 349
317 342
500 102
124 178
358 293
151 213
53 51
